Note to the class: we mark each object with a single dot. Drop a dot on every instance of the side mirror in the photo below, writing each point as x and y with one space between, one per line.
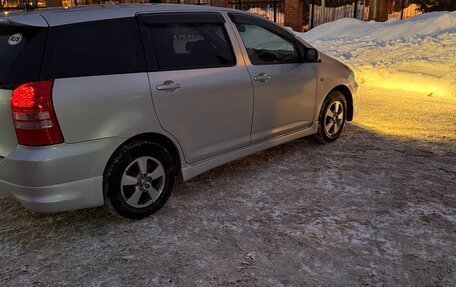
312 55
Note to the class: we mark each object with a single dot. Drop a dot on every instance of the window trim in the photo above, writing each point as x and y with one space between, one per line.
180 18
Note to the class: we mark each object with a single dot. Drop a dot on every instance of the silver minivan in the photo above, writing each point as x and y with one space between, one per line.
109 105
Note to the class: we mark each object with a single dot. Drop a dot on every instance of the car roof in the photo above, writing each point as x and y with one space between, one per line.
62 16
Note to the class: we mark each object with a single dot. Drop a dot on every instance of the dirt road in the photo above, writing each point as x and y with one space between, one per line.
376 208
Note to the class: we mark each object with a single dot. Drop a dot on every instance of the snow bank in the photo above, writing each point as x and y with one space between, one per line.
418 54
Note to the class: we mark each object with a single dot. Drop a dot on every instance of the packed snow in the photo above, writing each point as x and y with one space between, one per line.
373 208
415 55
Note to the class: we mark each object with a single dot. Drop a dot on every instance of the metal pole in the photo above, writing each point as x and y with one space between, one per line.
402 9
275 11
356 9
312 14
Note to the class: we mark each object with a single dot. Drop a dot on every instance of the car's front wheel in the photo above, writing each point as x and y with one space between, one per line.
333 116
139 180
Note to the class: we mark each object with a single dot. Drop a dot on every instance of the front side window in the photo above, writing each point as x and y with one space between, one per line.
265 46
188 45
94 48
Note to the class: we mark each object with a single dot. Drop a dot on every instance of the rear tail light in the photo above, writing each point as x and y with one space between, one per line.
34 116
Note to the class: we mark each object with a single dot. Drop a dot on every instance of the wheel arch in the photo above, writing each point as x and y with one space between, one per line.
157 138
349 98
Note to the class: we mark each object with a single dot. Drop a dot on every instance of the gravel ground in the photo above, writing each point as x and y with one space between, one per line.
375 208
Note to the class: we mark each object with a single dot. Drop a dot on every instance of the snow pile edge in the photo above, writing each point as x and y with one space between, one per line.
418 54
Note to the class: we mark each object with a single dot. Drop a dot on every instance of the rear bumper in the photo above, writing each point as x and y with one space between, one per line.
57 178
56 198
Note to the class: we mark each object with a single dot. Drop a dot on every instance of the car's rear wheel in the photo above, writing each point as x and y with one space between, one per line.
333 117
139 180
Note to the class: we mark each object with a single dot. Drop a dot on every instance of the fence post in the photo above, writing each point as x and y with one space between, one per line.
275 11
311 24
402 9
220 3
356 9
293 11
323 11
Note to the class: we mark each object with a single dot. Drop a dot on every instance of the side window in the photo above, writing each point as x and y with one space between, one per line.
181 44
265 46
94 48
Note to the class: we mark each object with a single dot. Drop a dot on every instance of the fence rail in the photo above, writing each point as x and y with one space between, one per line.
322 11
330 10
317 12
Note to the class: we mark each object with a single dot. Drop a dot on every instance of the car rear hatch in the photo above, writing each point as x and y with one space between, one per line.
21 52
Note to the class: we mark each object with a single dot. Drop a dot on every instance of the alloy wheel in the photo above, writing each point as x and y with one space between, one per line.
334 118
143 182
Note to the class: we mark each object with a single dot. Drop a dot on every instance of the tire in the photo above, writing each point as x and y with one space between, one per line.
138 180
334 110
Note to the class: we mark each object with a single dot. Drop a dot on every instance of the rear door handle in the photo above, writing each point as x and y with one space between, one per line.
262 77
169 86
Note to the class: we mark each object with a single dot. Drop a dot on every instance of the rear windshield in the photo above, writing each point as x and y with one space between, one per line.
21 52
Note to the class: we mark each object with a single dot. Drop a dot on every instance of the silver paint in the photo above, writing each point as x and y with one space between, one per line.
212 116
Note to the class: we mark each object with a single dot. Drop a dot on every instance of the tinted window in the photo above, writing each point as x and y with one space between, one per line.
179 46
94 48
21 52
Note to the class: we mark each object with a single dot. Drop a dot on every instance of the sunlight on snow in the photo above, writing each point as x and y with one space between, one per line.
406 71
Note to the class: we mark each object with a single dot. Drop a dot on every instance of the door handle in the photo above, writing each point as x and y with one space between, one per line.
262 77
169 86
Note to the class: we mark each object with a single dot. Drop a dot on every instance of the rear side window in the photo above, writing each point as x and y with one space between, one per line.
94 48
21 53
187 42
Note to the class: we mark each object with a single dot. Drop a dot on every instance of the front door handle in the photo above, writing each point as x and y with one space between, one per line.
262 77
169 86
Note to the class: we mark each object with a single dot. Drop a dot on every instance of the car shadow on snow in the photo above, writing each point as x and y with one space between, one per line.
355 138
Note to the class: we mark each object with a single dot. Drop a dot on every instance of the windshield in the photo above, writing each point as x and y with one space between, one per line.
21 51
